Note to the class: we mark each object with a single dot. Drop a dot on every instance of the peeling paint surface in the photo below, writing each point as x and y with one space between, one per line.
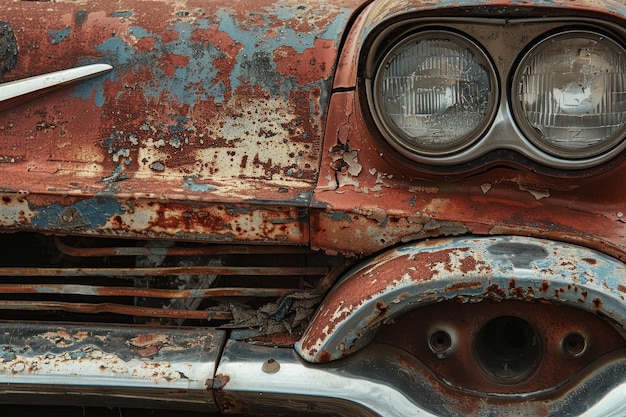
210 102
123 362
465 269
398 205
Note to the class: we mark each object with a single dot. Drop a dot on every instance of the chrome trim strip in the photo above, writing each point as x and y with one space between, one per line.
255 380
17 92
108 366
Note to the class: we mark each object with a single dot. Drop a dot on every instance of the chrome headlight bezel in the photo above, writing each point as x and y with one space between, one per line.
503 140
400 140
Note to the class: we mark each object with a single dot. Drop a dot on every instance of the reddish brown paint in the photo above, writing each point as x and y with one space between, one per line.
153 144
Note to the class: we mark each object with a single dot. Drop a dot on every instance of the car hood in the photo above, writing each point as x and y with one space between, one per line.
205 114
205 100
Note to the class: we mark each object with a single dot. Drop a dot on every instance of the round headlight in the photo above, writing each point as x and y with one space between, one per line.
434 93
569 94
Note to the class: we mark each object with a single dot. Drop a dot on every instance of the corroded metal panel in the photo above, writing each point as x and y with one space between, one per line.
401 201
109 214
205 102
110 365
469 269
396 205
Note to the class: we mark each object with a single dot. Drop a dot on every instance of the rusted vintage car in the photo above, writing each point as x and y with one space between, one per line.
338 208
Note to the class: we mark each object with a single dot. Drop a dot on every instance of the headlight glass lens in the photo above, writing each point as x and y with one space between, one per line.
434 93
571 94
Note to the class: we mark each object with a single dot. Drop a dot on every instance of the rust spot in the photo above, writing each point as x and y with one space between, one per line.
468 264
148 339
545 286
380 306
404 296
278 340
512 283
518 292
494 291
149 350
597 302
149 344
621 288
324 356
590 261
463 286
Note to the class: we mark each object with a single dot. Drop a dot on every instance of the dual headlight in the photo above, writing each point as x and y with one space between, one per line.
436 93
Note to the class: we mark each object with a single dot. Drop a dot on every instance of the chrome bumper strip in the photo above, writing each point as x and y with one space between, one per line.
381 380
108 366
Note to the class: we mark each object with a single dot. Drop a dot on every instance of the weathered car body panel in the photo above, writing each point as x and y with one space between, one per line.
206 104
231 112
398 204
221 187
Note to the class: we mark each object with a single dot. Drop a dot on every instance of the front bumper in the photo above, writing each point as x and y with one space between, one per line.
207 369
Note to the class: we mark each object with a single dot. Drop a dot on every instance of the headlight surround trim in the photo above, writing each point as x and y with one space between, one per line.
505 41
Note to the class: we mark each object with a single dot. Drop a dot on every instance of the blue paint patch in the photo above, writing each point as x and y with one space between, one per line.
191 185
122 13
58 36
157 166
338 216
175 141
196 79
179 127
93 213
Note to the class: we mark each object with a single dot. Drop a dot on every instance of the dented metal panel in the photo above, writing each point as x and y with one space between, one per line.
109 365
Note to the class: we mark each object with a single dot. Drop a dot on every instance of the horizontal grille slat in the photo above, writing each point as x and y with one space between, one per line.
159 272
94 290
178 251
74 278
114 308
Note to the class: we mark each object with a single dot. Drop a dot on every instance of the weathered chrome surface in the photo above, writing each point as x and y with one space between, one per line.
106 365
467 269
381 380
256 380
20 91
